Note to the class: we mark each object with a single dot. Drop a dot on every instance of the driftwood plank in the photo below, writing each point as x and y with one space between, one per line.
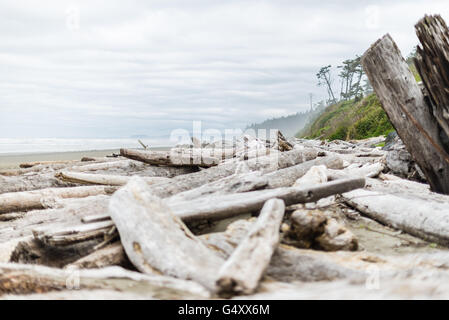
407 109
156 241
243 270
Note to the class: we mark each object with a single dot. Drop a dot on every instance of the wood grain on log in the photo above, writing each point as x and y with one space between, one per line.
406 107
432 62
226 206
243 270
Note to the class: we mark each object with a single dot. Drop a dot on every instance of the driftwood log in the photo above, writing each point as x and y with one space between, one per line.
265 164
432 61
428 220
192 157
73 234
40 199
255 180
407 109
226 206
29 279
103 179
243 270
32 181
156 241
288 176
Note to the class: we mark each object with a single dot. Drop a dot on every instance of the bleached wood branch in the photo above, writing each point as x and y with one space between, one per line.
103 179
29 279
220 207
243 270
39 199
156 241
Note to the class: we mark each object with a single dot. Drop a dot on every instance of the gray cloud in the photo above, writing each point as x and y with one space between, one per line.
147 67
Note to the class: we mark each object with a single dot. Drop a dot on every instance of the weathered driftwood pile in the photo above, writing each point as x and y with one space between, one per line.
251 219
257 220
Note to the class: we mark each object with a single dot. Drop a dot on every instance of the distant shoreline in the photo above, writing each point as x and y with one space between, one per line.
13 160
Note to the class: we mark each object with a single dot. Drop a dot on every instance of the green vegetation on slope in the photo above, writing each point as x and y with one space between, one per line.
350 120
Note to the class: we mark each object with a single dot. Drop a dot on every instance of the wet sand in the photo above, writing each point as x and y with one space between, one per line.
11 161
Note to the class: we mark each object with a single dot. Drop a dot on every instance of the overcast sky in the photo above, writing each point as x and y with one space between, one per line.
121 68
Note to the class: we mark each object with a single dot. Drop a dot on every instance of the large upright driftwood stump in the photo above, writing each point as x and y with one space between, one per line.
432 62
407 109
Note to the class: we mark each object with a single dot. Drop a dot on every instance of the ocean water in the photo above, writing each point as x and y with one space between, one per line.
44 145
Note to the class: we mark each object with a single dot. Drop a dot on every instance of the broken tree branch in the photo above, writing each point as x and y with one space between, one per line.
243 270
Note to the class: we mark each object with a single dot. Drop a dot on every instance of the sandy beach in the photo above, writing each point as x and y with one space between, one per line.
10 161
